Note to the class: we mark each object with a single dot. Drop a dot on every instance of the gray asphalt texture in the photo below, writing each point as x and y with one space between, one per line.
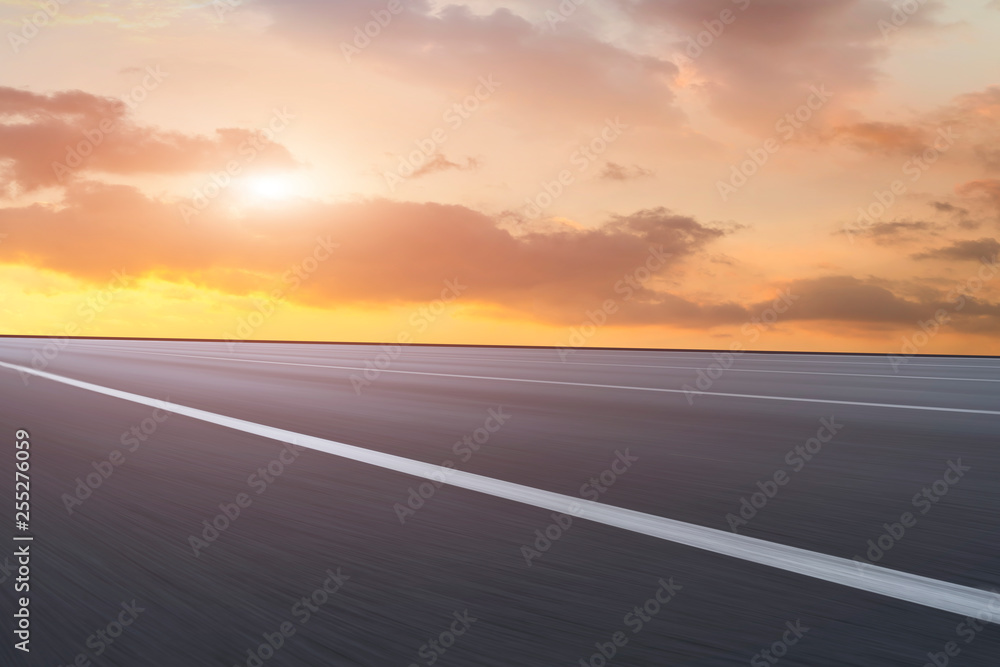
462 552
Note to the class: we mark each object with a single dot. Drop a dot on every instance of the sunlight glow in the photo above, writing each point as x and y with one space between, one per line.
271 187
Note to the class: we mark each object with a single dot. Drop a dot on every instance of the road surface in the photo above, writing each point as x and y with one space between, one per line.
714 508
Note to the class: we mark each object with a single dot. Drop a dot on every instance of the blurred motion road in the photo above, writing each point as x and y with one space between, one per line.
332 561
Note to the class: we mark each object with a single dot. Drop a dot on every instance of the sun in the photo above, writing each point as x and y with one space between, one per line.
271 187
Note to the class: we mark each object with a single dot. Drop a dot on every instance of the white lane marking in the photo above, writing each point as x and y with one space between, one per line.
680 368
756 356
770 358
794 399
761 357
941 595
761 370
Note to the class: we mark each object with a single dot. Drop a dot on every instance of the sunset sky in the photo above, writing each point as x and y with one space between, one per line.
505 172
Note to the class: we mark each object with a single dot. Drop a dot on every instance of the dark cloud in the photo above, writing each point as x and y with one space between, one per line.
945 207
899 231
847 299
440 163
975 251
613 171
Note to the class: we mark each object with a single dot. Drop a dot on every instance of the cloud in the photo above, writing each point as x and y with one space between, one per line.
976 118
389 252
984 104
613 171
763 63
989 187
47 140
946 207
440 163
120 13
887 138
899 231
972 117
569 74
850 300
977 250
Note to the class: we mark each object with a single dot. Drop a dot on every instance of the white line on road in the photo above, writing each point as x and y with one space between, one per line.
674 355
740 370
757 356
451 354
942 595
796 399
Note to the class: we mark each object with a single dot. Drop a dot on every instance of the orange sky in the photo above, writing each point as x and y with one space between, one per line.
774 174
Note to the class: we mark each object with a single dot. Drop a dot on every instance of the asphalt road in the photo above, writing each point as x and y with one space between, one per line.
465 578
